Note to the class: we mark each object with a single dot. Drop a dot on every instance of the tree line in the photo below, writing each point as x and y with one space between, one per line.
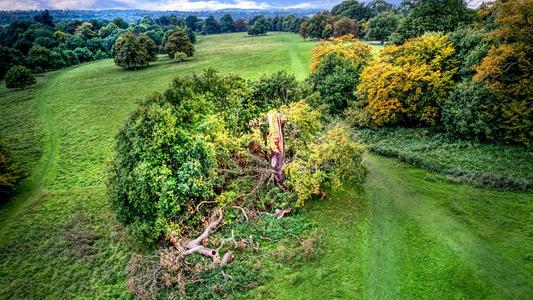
467 72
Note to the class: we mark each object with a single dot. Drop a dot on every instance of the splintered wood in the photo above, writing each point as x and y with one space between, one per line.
276 144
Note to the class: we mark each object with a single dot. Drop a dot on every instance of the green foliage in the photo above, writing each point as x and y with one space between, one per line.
470 48
336 66
506 71
487 165
179 42
133 51
336 80
382 26
43 59
226 24
352 9
274 90
261 26
432 16
180 57
333 161
19 77
211 26
160 165
9 174
83 54
69 57
408 84
9 57
465 111
121 23
320 26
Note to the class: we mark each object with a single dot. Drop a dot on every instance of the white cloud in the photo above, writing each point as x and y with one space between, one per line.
313 4
18 5
188 5
70 4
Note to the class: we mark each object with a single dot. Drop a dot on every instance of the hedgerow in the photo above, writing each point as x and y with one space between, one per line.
502 167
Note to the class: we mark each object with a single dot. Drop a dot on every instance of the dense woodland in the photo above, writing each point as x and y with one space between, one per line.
217 149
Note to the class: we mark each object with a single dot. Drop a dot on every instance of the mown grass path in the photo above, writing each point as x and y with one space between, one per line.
404 237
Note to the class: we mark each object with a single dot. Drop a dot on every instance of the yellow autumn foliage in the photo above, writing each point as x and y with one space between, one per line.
506 71
409 82
346 47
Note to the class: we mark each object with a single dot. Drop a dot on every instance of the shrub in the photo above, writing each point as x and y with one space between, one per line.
180 56
179 42
19 77
9 174
335 79
465 112
409 83
495 166
69 57
470 48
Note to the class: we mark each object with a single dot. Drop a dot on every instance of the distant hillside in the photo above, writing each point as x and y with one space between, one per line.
133 15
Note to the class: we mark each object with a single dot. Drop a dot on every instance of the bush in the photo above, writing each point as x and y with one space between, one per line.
470 48
501 167
9 175
206 139
408 84
336 80
19 77
465 112
506 71
180 56
69 57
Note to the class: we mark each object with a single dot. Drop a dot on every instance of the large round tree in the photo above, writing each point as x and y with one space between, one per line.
132 51
179 42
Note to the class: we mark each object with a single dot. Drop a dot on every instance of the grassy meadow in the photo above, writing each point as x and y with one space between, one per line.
402 237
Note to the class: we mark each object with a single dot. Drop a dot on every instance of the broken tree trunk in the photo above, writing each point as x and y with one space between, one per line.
276 143
195 246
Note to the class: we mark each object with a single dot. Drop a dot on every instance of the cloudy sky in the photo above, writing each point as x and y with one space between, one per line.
163 4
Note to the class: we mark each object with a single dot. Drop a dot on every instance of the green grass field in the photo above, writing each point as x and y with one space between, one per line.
402 238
